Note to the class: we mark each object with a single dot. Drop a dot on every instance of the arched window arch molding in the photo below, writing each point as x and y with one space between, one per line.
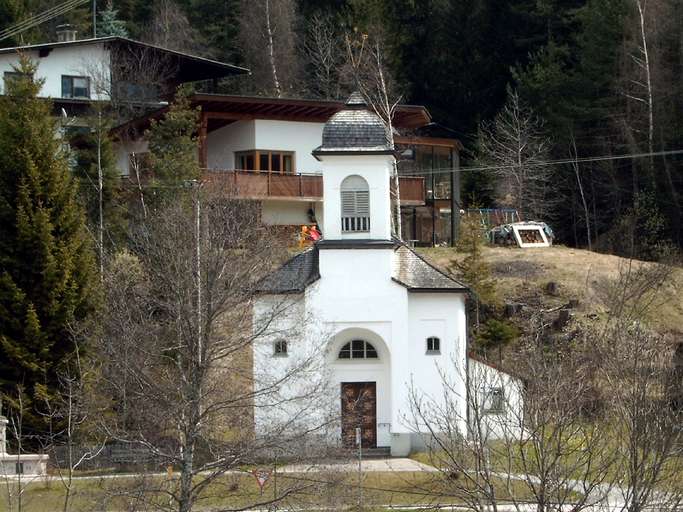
355 204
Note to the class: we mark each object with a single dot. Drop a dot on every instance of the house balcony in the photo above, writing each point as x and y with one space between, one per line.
295 186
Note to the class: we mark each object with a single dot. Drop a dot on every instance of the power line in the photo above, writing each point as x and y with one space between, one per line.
564 161
37 19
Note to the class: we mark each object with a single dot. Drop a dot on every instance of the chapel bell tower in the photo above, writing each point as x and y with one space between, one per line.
357 162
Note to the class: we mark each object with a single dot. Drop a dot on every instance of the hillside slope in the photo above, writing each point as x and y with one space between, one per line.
522 276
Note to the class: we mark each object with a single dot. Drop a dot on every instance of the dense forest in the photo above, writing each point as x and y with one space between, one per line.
584 95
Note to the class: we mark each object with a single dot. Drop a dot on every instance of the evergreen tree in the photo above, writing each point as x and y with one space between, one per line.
173 143
109 24
473 269
84 161
46 258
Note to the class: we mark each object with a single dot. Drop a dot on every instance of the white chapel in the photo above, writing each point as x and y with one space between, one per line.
382 324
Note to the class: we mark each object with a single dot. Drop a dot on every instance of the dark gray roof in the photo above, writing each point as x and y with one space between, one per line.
410 270
416 274
294 275
354 129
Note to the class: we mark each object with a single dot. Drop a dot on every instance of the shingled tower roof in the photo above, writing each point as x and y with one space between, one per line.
355 129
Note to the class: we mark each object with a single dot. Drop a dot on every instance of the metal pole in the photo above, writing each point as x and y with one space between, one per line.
360 469
455 196
94 19
198 256
100 186
275 483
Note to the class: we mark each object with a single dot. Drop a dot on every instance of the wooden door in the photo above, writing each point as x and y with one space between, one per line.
359 409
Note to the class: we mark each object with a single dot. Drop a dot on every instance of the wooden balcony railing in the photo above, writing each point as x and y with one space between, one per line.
299 186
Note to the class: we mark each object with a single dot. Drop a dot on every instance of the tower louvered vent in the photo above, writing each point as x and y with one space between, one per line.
355 205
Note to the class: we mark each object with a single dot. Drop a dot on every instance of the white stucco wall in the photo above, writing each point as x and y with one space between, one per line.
90 60
223 142
441 315
376 170
300 137
506 423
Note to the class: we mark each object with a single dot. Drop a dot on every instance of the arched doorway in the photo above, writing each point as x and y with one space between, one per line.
359 360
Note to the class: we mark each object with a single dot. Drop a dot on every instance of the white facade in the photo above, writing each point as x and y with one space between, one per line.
263 134
90 60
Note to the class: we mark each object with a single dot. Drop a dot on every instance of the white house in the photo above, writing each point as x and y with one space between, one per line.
385 325
76 72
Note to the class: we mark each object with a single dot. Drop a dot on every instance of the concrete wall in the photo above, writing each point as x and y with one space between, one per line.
91 60
376 170
286 213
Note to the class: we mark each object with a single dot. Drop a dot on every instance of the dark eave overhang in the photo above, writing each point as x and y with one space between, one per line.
237 107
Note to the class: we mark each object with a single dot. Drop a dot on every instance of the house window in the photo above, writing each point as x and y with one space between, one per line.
495 401
358 349
19 468
75 87
355 205
10 76
280 348
433 345
281 162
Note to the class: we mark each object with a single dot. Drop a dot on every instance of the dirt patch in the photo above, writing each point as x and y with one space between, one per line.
517 268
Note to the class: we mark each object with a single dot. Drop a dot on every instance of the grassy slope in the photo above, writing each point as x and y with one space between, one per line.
521 275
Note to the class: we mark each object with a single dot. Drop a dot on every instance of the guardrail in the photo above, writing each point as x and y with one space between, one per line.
301 186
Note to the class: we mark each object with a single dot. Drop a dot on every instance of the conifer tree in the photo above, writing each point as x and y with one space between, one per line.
109 24
474 270
46 256
173 142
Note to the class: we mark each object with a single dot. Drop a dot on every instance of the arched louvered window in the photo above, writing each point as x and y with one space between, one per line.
358 349
355 205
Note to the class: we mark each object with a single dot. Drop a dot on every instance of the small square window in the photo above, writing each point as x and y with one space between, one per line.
280 348
19 468
433 345
495 401
75 87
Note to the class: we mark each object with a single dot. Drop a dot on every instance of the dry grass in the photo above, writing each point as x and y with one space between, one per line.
522 274
336 491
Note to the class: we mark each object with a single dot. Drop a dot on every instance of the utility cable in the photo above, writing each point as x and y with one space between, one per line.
564 161
40 18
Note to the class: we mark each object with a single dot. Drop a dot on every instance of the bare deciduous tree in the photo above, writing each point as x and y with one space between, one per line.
71 440
170 28
176 345
323 47
268 42
515 146
371 77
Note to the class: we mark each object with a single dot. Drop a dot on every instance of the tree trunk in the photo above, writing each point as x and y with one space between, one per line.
271 51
